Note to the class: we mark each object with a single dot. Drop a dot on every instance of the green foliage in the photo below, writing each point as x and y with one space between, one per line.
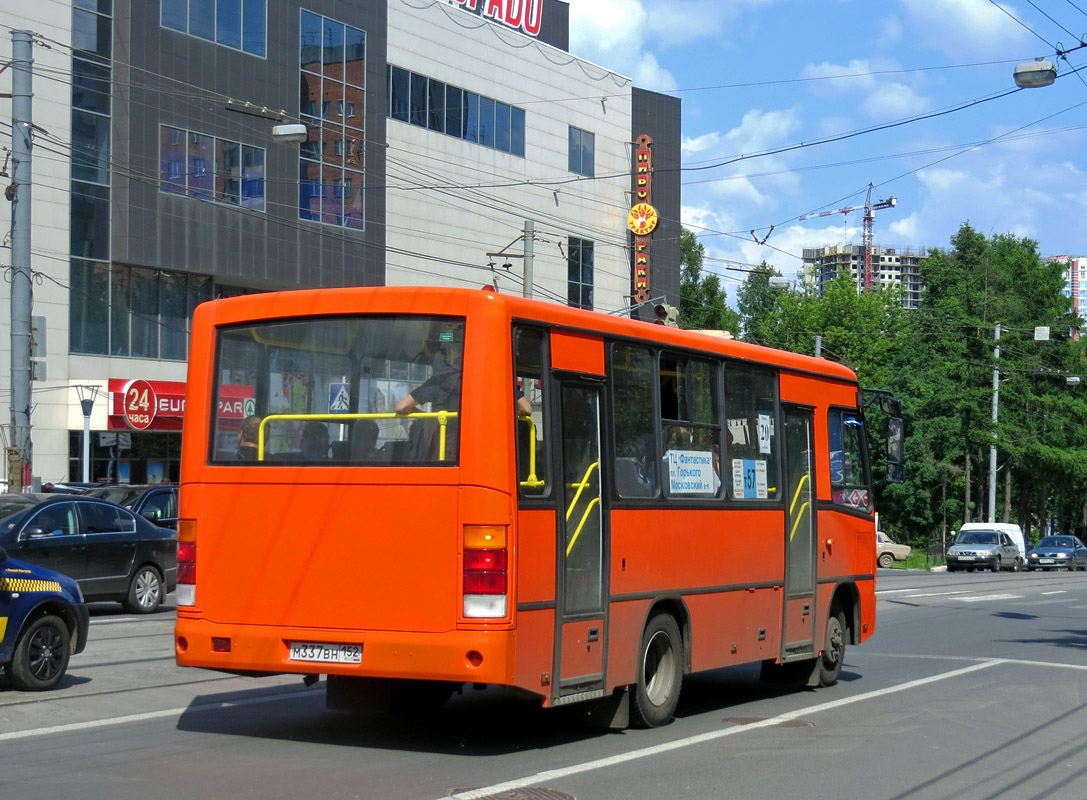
939 360
702 300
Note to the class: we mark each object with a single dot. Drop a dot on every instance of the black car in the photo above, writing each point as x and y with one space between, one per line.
155 502
112 553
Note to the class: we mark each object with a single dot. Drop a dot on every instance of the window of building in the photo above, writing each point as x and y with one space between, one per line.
147 314
582 152
237 24
210 168
580 264
333 80
428 103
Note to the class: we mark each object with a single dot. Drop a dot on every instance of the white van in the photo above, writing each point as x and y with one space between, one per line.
1014 532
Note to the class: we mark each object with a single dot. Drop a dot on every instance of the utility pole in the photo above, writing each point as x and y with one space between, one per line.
528 251
20 453
996 410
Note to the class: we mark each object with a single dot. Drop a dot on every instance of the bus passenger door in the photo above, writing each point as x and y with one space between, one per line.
798 638
580 636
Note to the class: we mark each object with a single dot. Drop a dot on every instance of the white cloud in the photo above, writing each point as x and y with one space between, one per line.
700 144
860 71
894 101
759 130
908 228
961 27
611 33
892 32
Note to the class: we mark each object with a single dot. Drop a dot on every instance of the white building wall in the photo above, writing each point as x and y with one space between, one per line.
460 224
51 113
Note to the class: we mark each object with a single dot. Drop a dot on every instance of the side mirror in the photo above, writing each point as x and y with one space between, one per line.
36 533
890 405
153 515
895 441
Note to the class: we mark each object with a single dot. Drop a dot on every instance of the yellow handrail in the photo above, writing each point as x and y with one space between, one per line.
580 525
792 505
532 481
580 488
443 418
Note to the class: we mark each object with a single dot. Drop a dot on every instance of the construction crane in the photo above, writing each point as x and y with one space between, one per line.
869 209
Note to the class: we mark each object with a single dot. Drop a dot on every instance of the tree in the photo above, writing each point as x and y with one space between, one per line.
702 301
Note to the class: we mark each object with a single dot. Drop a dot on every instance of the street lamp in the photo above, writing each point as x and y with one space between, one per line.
294 132
1034 74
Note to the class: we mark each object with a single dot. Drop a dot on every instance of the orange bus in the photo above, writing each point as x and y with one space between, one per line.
455 488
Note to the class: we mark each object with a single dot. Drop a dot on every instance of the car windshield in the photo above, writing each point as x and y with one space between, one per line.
1056 541
121 495
978 537
12 504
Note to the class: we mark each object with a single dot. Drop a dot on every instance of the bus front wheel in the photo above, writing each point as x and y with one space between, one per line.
659 673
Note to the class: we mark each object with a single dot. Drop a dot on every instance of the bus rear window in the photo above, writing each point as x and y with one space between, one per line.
377 390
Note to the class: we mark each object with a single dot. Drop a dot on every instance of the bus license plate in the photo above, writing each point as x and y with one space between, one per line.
327 653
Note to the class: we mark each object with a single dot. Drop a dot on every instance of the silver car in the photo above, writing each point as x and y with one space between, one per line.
981 549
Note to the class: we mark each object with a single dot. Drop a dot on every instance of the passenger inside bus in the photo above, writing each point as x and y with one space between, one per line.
315 441
248 433
442 391
364 435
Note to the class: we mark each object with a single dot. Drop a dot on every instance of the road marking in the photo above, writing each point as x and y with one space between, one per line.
168 712
897 591
984 597
575 769
1059 591
936 594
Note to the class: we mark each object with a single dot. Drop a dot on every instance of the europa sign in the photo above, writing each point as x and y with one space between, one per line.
524 15
160 405
643 217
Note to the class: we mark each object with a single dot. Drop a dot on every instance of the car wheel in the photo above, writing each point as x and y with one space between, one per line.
996 565
830 662
144 591
40 657
1016 566
659 673
886 560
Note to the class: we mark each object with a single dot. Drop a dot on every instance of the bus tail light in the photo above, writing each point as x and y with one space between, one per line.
186 562
485 560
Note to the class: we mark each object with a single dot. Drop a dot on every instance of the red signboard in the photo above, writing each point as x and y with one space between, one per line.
523 15
160 405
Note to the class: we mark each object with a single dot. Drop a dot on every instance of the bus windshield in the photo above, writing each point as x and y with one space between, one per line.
325 391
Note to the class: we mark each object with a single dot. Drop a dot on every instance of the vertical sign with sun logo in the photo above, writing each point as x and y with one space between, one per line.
642 219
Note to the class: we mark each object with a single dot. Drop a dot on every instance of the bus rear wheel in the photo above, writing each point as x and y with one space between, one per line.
659 673
830 662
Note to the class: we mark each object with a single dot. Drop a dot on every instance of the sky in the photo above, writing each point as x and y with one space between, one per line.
923 77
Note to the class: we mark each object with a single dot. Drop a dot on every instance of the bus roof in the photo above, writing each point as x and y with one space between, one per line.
461 302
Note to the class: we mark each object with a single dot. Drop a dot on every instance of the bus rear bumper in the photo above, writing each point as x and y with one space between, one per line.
476 656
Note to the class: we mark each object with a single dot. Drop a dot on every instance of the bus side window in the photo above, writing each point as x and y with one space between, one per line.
849 478
636 469
751 470
690 427
529 353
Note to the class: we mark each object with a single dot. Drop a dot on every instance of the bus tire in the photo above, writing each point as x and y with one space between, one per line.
659 673
40 656
833 655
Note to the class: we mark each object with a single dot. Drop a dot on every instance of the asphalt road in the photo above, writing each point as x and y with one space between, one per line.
974 686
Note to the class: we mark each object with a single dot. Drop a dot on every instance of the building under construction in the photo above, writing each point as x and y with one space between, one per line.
890 267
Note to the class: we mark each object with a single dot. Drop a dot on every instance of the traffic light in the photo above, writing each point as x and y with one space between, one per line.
666 315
